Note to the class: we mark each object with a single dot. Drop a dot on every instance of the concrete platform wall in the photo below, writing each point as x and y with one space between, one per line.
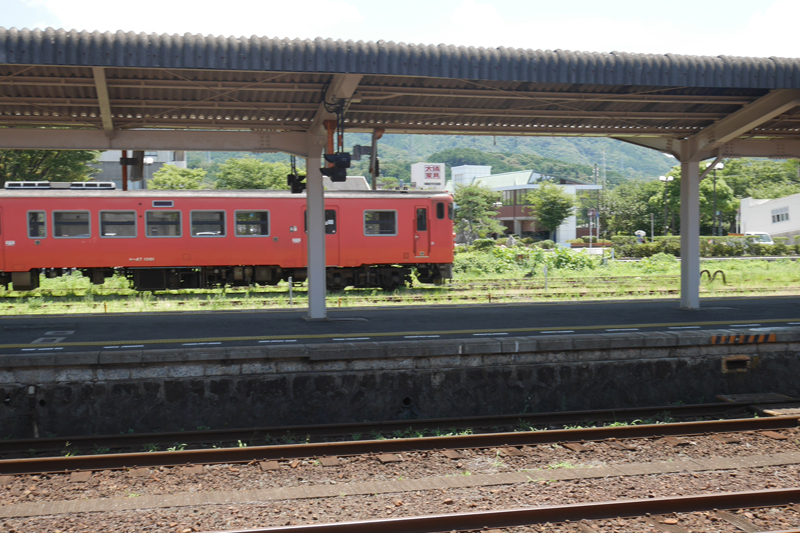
115 391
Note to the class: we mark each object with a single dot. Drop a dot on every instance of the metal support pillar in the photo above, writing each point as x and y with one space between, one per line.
690 235
315 206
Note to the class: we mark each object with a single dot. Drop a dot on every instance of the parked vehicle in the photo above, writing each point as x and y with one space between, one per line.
759 237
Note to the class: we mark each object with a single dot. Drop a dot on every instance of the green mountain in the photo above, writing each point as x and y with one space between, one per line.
571 157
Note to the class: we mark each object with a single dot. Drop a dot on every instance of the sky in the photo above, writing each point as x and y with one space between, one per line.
752 28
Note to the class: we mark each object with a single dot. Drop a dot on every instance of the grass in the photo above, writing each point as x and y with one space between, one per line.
657 277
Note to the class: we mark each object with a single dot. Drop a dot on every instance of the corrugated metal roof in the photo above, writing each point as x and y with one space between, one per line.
146 51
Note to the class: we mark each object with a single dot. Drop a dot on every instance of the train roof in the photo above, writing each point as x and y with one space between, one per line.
212 193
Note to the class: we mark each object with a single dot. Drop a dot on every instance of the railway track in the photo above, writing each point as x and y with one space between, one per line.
21 448
638 508
248 454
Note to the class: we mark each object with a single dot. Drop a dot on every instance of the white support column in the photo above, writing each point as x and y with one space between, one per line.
690 235
315 206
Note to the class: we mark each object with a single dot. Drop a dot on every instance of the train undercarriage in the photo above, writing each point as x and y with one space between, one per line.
386 277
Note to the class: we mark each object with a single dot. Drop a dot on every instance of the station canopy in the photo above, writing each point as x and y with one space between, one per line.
124 82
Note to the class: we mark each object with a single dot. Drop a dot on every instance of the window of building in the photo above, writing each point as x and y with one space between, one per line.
508 197
118 223
71 224
780 215
208 223
380 223
163 223
252 223
37 225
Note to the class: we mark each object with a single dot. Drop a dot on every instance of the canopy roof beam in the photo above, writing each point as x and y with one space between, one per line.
103 101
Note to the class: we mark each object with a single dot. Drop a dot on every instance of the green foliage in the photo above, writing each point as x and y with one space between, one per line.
551 205
520 261
483 244
628 207
709 247
566 259
659 262
546 244
174 178
251 173
47 165
475 211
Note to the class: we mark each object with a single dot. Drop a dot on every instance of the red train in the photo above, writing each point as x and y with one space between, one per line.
192 239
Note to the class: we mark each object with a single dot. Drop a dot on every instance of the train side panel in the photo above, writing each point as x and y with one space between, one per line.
187 232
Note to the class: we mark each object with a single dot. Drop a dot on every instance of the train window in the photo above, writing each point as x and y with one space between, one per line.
208 223
422 219
380 222
330 221
70 224
440 210
252 223
163 203
37 225
118 223
450 211
163 223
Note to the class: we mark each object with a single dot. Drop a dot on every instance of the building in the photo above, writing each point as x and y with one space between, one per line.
111 170
514 212
428 175
779 217
465 174
352 183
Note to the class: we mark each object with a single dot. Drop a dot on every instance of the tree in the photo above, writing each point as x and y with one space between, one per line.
250 173
551 205
630 205
387 183
172 177
47 165
475 211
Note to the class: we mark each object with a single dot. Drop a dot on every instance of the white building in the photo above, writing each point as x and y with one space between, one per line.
779 217
428 175
466 174
111 170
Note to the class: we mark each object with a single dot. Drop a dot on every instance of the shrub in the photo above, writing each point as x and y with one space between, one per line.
546 244
659 262
483 244
563 258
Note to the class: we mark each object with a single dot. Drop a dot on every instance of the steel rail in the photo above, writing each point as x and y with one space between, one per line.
551 514
264 453
252 435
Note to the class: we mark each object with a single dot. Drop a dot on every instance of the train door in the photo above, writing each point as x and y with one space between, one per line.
331 236
422 242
